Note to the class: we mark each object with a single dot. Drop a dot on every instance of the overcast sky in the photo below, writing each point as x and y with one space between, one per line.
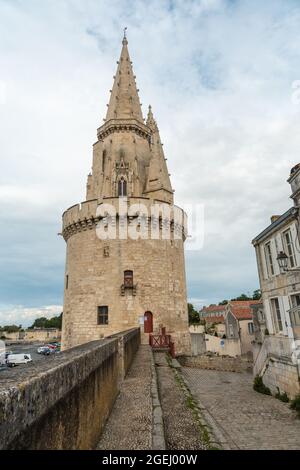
219 75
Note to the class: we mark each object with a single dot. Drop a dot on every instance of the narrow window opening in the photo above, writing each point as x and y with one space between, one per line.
122 187
128 278
103 160
103 315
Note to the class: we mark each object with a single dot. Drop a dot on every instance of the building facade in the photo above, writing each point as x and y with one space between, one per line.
239 324
212 311
277 351
125 244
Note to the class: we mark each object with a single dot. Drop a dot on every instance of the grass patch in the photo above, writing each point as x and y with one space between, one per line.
295 404
193 406
260 387
282 396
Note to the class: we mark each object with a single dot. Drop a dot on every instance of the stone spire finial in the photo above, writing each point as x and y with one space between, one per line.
125 42
124 100
150 119
158 175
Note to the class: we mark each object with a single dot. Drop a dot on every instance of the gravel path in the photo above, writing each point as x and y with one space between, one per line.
130 423
182 428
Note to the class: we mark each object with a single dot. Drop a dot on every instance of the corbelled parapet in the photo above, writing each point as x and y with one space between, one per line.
88 214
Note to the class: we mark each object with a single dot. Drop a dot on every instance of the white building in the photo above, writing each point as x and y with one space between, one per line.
277 354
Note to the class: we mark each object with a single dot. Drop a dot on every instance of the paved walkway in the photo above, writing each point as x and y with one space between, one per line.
249 420
130 423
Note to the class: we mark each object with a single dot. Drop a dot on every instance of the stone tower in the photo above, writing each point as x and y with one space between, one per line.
136 275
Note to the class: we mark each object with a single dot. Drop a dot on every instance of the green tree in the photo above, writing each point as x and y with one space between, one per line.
11 328
43 322
193 314
256 294
224 302
242 297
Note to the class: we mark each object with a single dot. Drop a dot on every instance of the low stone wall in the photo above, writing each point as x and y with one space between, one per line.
282 375
64 403
223 363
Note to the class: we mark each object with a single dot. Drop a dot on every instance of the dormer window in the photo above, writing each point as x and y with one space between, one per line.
122 187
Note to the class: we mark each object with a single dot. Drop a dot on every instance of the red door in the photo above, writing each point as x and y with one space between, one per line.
148 322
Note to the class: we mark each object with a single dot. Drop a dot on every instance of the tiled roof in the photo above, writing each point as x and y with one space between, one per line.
243 303
215 319
241 309
214 308
242 313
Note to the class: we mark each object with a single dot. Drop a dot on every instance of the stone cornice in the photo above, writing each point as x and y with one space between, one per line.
124 125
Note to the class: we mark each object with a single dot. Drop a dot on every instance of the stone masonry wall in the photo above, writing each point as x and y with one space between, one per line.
282 375
223 363
64 403
95 270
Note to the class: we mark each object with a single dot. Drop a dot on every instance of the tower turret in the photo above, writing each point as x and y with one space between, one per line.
112 282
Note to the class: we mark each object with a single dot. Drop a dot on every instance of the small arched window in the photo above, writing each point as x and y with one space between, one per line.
128 278
122 187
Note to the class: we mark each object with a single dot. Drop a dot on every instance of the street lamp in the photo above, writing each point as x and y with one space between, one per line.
282 261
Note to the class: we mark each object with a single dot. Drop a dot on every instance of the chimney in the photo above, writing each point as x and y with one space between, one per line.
274 218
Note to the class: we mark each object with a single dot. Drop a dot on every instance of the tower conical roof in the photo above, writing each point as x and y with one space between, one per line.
158 176
124 101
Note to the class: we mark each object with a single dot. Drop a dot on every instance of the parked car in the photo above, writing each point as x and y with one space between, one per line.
41 349
16 359
47 351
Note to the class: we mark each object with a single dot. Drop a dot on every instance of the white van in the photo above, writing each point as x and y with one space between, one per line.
15 359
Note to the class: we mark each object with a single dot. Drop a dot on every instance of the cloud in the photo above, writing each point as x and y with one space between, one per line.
18 314
219 75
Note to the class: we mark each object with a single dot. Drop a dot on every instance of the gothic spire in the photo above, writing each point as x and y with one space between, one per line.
158 176
124 101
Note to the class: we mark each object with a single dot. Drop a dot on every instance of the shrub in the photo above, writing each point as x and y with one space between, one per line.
295 404
282 396
260 387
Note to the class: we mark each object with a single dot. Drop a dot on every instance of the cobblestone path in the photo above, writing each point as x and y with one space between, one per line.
248 420
182 428
130 423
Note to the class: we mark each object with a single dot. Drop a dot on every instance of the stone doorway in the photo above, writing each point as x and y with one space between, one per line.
148 322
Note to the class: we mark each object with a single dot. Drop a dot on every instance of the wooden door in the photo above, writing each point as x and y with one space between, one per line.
148 322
